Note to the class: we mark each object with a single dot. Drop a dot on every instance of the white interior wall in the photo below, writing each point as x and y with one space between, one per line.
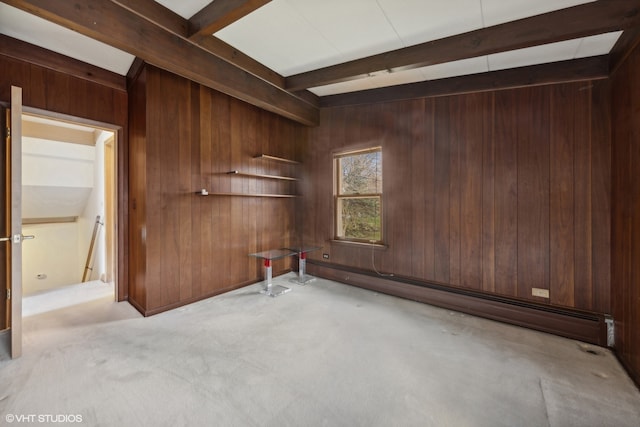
50 260
94 207
57 256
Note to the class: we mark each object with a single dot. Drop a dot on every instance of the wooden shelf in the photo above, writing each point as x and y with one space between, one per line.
282 196
259 175
277 159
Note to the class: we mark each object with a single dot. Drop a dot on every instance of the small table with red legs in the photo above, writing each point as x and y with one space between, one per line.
302 251
268 256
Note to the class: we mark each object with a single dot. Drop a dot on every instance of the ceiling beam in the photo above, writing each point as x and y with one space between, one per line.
23 51
588 19
221 13
117 26
594 68
176 24
623 48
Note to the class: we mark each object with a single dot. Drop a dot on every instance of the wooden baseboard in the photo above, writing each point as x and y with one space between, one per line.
579 325
150 312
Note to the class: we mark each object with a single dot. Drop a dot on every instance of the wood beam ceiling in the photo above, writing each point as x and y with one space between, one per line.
176 24
24 51
150 39
588 19
220 13
594 68
623 48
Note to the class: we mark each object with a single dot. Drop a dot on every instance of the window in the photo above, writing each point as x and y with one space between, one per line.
358 193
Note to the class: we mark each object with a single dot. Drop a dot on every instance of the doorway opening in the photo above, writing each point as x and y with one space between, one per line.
69 204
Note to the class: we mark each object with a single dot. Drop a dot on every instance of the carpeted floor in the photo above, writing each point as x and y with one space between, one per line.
325 354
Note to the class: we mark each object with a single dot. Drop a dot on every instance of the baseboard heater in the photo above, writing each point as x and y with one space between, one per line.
575 324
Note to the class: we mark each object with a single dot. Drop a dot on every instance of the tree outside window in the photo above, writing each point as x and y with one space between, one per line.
359 196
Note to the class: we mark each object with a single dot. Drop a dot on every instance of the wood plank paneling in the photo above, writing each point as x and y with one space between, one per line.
625 219
191 247
488 196
421 169
506 194
562 214
489 186
533 191
601 195
471 191
441 192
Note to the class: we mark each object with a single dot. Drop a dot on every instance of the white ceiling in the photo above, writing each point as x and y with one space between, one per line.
294 36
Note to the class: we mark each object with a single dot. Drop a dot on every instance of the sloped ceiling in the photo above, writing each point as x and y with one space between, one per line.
287 53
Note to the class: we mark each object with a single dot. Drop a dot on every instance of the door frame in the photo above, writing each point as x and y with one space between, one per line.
116 179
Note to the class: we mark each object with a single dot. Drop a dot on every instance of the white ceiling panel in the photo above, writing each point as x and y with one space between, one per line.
534 55
31 29
499 11
418 21
184 8
456 68
597 45
384 79
277 36
377 80
355 28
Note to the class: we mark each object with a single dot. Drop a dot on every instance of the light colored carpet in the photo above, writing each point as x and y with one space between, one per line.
67 296
325 354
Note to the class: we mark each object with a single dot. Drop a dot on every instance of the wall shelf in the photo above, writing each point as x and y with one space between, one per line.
277 159
258 175
282 196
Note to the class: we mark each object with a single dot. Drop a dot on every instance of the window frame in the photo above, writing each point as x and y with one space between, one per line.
337 196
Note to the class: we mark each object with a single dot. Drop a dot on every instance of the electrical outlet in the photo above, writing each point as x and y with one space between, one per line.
325 256
542 293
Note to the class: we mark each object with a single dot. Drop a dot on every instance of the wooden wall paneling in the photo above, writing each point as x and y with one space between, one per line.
260 166
80 103
203 177
562 219
632 307
167 129
601 201
429 189
187 214
472 133
583 217
442 151
238 257
273 230
506 193
420 168
19 73
249 126
488 196
36 77
456 145
101 102
223 227
221 182
137 187
58 88
317 186
200 153
403 145
533 191
621 215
